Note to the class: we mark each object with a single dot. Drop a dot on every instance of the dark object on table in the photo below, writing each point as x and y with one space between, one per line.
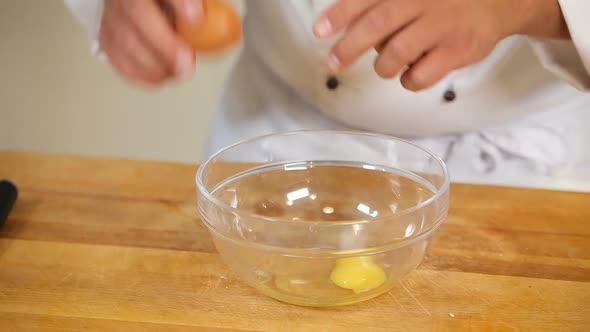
8 194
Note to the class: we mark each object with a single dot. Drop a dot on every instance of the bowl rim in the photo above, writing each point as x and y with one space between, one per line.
444 188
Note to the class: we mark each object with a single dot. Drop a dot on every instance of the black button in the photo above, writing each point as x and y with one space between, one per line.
450 96
332 83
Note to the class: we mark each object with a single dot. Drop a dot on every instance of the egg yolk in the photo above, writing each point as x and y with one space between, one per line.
219 28
358 274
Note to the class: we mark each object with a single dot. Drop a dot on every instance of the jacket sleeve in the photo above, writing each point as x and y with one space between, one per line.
89 15
569 60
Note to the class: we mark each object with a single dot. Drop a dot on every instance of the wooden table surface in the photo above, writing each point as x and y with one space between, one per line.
114 245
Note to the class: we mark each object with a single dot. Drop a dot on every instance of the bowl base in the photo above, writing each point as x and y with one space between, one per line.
325 302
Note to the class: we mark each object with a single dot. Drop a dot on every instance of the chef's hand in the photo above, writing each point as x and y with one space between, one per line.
141 43
427 39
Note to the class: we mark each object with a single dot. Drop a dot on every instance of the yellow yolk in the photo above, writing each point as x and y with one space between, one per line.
358 274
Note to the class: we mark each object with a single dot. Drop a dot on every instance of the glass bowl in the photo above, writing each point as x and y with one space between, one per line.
323 218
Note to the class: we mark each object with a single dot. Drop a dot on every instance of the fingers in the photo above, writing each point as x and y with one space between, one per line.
141 43
340 15
407 46
130 71
125 49
134 59
429 37
372 28
159 34
430 69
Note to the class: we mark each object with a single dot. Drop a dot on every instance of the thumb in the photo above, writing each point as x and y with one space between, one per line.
188 10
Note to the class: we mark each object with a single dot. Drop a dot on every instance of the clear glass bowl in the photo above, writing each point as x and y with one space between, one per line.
323 218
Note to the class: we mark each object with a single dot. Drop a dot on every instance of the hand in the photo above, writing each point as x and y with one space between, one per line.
141 43
427 39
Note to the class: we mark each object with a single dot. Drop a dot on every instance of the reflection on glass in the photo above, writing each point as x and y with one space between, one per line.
409 230
295 167
298 194
328 210
367 210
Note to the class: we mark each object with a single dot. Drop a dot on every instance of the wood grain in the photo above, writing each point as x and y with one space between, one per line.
116 245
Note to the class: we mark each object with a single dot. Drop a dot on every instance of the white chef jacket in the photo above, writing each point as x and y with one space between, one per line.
519 117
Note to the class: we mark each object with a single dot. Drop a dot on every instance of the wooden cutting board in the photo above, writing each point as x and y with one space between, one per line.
116 245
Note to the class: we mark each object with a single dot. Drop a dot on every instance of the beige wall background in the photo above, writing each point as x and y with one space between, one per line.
55 97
